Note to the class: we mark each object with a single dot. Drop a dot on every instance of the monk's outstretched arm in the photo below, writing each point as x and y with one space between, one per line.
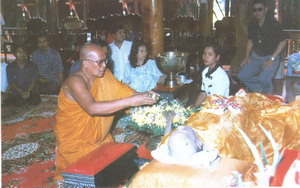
76 89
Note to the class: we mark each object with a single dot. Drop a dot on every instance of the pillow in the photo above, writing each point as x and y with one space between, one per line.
157 174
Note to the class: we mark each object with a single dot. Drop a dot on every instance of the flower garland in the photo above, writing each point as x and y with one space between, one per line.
152 118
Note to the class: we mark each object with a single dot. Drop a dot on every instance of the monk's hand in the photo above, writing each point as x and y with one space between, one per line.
142 99
267 64
155 96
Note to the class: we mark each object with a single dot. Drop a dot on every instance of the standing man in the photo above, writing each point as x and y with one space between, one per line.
86 106
50 66
265 42
120 50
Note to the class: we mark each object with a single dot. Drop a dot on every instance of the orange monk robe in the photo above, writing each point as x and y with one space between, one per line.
78 133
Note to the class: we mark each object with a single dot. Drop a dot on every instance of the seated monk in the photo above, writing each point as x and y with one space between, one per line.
86 105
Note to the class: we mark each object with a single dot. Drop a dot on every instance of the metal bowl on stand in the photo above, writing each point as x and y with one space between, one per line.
171 63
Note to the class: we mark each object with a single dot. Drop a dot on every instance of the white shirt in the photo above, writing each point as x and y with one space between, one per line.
4 82
120 58
217 83
2 22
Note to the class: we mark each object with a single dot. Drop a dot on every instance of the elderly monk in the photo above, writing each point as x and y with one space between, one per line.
86 104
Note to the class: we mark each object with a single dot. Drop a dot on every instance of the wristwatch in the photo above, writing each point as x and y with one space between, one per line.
272 58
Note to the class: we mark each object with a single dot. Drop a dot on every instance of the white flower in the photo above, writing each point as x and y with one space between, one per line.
153 117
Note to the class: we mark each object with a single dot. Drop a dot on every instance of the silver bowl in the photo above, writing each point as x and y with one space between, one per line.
171 63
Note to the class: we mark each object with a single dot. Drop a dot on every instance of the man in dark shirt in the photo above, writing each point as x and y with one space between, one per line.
22 76
266 40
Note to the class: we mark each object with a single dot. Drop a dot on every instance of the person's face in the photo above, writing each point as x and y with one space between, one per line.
120 35
259 11
21 54
96 63
142 53
209 56
42 43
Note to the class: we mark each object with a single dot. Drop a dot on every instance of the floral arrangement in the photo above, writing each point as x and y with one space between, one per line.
153 118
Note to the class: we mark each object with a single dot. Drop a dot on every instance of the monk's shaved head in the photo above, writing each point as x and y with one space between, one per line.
91 51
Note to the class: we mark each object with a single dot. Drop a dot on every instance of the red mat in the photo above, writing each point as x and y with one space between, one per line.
28 153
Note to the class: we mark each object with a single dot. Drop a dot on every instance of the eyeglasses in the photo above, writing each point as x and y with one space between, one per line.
257 9
99 62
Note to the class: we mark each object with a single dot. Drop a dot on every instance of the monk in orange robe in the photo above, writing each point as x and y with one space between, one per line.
86 105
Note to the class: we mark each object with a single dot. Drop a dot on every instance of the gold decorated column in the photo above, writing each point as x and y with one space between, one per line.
152 14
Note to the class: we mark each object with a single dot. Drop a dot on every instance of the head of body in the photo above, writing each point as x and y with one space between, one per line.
260 10
138 54
211 55
21 55
184 142
94 60
42 43
118 33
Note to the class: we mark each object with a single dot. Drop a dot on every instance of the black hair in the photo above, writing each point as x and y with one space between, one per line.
42 35
216 47
134 51
264 2
114 28
22 46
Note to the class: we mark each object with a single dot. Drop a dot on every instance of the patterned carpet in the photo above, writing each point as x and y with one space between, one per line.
28 144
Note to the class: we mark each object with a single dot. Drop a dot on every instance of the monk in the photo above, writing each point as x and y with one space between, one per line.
86 105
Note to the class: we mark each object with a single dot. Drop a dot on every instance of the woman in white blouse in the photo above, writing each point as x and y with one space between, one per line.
143 74
214 79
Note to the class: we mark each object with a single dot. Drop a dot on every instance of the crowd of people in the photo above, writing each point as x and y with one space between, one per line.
111 77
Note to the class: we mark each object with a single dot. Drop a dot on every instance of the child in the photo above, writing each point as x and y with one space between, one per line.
143 75
214 79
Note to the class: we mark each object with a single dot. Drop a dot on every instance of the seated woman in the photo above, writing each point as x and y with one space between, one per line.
214 79
143 75
22 76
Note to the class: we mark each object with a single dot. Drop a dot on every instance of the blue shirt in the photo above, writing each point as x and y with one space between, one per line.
143 78
75 67
21 77
4 82
49 64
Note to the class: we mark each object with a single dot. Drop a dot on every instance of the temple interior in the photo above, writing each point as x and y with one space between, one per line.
137 157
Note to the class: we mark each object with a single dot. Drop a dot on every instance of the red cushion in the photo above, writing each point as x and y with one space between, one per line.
287 159
100 158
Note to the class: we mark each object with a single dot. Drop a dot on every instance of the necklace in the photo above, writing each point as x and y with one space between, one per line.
259 35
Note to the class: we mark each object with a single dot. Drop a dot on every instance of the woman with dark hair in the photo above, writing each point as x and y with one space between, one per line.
22 76
143 75
214 79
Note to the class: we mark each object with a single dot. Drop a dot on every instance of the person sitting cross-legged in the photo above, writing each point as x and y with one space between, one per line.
22 76
50 66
